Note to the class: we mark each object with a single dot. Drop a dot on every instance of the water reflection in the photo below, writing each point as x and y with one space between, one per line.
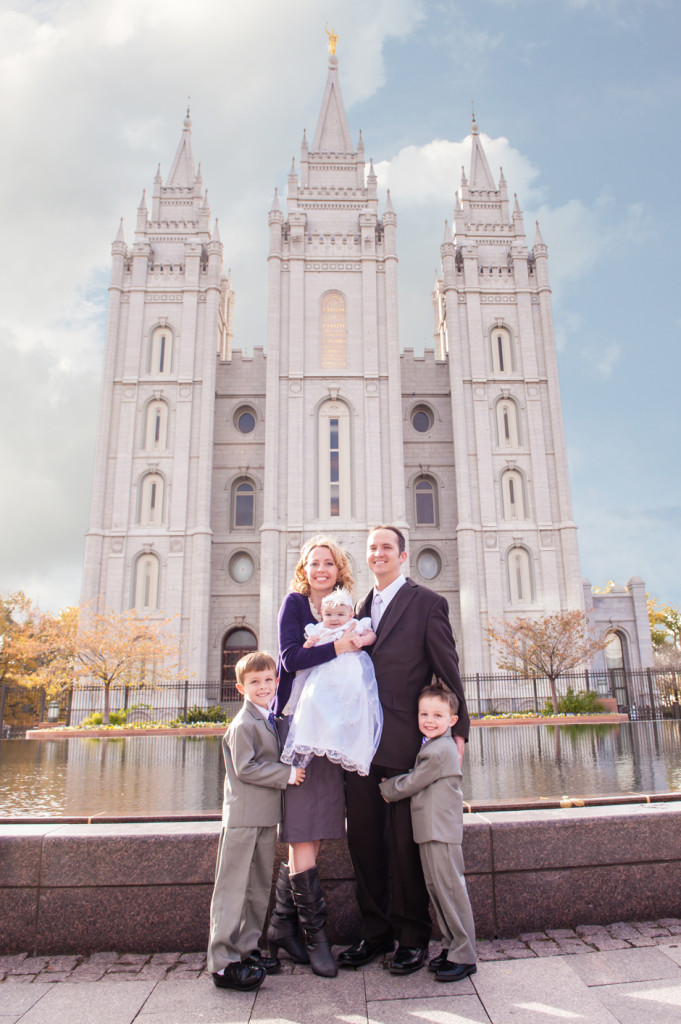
161 775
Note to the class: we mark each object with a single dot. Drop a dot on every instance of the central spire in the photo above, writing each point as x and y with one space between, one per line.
332 134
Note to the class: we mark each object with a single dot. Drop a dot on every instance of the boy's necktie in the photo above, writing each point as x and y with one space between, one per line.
270 719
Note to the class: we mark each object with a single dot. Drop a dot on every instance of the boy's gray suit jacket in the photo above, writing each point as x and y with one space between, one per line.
255 777
434 787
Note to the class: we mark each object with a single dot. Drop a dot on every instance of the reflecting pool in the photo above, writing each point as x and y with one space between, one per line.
168 775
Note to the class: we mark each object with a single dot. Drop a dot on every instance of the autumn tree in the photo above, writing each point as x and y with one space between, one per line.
16 631
108 649
549 645
665 625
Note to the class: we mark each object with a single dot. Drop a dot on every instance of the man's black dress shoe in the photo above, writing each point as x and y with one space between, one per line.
364 952
270 964
241 976
454 972
408 959
438 961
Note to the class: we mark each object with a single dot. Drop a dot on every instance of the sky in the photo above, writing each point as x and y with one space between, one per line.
577 100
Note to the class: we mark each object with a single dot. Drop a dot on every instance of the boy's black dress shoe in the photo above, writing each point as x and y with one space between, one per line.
454 972
241 976
438 961
270 964
364 952
408 959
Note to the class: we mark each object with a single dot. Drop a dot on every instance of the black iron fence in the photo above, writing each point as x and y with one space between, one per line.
646 694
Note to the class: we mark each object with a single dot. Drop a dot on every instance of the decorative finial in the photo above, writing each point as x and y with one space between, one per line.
188 120
474 123
333 39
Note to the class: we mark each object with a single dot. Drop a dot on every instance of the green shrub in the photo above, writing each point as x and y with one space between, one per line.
584 702
96 719
214 715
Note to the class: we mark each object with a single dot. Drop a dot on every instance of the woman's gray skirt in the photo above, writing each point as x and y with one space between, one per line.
315 809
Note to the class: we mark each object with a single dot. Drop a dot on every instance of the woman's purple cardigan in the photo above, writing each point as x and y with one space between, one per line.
294 616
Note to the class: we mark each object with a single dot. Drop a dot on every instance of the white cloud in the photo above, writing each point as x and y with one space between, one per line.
98 94
603 360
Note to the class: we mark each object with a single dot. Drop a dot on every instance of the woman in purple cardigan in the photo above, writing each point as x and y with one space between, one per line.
314 810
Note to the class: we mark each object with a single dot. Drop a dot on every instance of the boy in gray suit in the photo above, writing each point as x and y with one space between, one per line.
251 810
437 821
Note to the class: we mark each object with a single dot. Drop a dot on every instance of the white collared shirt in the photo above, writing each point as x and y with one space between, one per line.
388 593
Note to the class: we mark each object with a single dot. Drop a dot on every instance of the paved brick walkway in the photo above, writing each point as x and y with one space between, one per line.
588 938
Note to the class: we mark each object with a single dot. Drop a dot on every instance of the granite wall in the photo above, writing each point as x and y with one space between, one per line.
146 887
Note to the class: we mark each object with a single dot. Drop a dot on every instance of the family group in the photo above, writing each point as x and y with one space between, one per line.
361 725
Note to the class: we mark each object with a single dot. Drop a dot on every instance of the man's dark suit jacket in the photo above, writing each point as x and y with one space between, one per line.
414 642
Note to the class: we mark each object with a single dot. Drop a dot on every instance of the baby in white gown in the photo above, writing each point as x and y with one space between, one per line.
335 706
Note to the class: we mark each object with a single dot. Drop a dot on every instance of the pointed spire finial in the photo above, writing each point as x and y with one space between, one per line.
388 203
474 123
188 120
120 237
447 236
216 232
143 202
293 166
275 201
516 205
538 240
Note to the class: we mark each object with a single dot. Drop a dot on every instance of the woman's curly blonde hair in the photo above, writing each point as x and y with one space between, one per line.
300 581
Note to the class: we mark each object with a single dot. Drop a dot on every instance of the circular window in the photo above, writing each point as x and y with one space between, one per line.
422 419
245 421
241 567
429 564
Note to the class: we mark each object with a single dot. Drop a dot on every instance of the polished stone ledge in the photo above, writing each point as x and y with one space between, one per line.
146 886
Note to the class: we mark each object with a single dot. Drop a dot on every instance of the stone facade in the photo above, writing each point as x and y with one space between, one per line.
213 466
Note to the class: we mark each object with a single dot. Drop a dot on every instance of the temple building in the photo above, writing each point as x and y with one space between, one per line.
214 466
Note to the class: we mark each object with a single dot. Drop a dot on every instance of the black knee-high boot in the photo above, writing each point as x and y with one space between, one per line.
309 900
283 927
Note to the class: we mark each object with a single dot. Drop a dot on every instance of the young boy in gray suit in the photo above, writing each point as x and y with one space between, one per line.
251 810
437 821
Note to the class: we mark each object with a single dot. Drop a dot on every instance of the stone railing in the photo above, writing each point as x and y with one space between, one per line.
146 887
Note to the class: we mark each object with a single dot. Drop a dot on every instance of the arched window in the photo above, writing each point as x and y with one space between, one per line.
151 500
614 651
425 501
243 504
333 332
520 582
161 351
146 583
334 461
234 646
508 434
503 361
513 495
156 426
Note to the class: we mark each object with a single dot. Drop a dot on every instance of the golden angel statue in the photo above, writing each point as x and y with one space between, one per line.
333 39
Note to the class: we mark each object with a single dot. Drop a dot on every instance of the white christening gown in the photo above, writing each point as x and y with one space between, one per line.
335 707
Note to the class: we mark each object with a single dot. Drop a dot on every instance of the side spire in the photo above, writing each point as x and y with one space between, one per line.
182 173
480 176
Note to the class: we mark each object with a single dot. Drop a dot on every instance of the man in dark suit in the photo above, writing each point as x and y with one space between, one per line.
414 642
